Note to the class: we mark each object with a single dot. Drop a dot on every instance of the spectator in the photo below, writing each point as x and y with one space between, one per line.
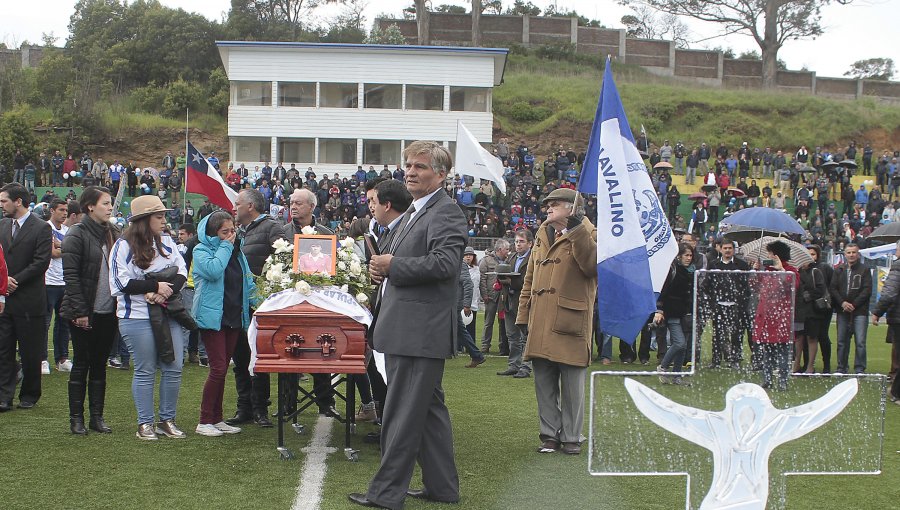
850 289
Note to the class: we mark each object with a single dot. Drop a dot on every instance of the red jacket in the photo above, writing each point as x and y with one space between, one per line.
772 322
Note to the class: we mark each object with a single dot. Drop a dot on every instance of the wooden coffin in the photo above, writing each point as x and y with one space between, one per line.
307 339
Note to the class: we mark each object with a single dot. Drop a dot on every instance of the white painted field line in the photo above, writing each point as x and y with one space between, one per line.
312 476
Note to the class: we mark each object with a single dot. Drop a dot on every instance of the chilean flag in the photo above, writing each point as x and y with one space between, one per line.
203 178
635 244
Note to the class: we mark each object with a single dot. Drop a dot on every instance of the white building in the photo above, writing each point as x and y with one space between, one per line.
336 106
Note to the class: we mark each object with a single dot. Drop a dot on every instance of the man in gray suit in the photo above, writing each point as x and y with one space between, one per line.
415 328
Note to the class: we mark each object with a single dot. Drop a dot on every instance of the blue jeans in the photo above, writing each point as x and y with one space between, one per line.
465 341
677 344
60 327
848 324
138 335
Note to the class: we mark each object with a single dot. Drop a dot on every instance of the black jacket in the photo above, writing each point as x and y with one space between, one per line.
857 289
27 260
258 238
677 296
812 287
82 254
888 302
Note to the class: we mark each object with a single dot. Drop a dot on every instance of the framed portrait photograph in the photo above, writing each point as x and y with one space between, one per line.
315 254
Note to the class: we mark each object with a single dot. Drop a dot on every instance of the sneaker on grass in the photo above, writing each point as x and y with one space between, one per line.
64 366
45 367
208 429
226 428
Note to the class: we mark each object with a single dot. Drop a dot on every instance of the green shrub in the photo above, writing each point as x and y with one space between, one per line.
148 99
181 95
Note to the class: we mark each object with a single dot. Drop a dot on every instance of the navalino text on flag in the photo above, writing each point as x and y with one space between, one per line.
635 244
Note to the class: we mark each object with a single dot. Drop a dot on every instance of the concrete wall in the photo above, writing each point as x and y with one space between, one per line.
657 57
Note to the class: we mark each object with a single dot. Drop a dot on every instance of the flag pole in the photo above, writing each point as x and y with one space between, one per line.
187 123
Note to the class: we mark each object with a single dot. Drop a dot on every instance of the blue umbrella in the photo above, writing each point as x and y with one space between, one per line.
763 220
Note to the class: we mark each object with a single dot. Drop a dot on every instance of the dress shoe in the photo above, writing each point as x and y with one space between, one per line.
571 448
549 446
5 406
169 429
503 353
475 362
522 374
423 494
240 417
25 404
262 420
330 411
362 500
508 371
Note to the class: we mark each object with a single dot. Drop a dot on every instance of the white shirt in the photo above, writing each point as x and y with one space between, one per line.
122 271
54 274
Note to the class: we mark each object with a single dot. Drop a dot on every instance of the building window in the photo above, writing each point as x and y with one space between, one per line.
251 93
251 149
424 97
468 99
337 151
383 96
381 152
339 95
297 150
297 94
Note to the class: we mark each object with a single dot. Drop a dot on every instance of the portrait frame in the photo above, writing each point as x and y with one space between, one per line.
303 244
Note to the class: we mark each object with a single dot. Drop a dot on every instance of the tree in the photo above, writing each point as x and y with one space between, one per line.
493 7
583 21
16 133
422 22
522 8
872 69
771 23
645 23
390 35
477 7
451 9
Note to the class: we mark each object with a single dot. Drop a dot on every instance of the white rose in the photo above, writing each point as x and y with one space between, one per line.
344 288
342 266
281 246
303 288
308 231
362 298
355 267
355 258
347 243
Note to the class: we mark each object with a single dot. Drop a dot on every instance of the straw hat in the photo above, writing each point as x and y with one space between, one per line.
146 205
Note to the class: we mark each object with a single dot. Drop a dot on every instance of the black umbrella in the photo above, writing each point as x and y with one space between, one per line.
849 163
477 206
709 187
889 233
807 170
829 164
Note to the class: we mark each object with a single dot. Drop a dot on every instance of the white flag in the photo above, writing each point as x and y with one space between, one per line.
472 159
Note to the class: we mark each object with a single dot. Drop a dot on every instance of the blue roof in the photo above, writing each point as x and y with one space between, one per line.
404 47
499 54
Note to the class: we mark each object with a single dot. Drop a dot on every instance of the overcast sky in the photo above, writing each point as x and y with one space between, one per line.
865 29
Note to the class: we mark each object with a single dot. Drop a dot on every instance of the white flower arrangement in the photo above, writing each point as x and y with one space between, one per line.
349 276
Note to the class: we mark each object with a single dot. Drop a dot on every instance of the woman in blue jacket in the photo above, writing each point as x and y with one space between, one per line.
223 285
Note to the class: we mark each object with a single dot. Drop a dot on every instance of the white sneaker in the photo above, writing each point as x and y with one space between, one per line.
226 428
64 366
45 367
208 429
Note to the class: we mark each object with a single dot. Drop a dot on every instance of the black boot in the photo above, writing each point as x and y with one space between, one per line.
76 408
97 394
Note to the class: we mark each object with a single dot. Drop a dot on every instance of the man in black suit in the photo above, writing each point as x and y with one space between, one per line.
26 242
415 328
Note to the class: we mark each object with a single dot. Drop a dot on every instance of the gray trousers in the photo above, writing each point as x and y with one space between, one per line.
560 400
490 313
415 427
516 339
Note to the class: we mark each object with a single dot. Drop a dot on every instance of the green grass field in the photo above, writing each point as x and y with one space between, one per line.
495 426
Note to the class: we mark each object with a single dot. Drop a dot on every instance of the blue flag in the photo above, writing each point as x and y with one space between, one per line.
635 244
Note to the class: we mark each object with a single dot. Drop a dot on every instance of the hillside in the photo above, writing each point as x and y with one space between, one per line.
552 102
548 102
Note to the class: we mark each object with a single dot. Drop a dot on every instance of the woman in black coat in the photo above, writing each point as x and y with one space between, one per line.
810 310
89 306
674 309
